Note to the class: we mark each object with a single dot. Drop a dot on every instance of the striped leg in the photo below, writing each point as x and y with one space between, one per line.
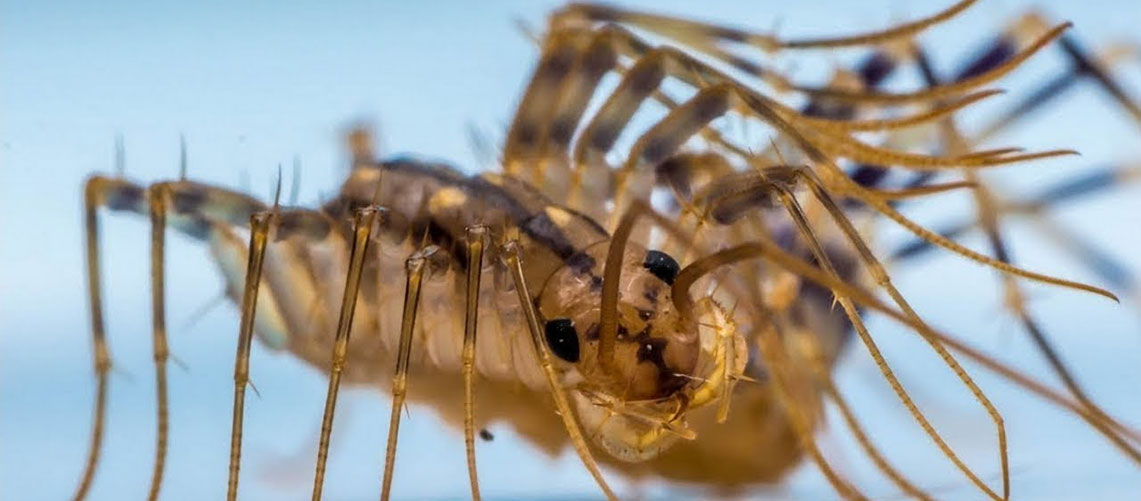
988 221
186 206
568 72
543 132
275 303
476 241
364 220
259 235
513 256
665 138
414 268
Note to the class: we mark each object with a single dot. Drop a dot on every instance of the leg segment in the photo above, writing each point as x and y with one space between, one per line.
702 34
513 255
186 206
573 62
414 269
363 221
259 235
158 197
95 194
878 273
476 240
989 221
663 140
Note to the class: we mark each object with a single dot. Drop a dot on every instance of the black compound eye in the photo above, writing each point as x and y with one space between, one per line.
661 265
562 339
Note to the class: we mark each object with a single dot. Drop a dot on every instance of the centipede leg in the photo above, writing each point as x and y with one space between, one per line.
703 35
193 206
572 64
988 221
711 102
817 250
95 194
769 251
414 269
786 378
476 239
259 235
363 221
513 256
1082 64
861 436
1098 181
158 197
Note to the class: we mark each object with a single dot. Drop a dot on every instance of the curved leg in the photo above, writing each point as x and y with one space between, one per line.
513 255
188 207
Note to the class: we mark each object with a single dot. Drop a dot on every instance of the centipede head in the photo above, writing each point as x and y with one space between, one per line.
660 366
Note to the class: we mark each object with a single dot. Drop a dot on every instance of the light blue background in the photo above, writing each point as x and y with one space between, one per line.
254 85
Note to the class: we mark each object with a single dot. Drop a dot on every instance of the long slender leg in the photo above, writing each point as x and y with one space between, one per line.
1001 49
187 207
95 195
989 222
825 379
711 102
638 83
701 112
767 250
414 269
1082 65
476 239
700 37
786 376
1104 424
882 279
532 115
840 183
683 301
771 252
1091 183
363 221
259 235
642 80
880 276
995 53
690 118
573 62
700 34
652 65
158 198
513 255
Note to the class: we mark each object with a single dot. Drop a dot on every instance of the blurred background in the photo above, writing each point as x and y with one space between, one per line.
260 84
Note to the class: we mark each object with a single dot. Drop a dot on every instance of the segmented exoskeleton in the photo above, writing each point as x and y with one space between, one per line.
661 331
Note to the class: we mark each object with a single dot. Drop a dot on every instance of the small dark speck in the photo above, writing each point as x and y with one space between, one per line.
486 435
592 332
